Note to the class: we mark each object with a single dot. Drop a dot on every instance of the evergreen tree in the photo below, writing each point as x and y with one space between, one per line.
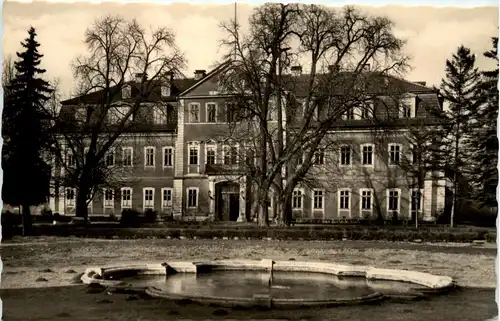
461 89
26 175
484 142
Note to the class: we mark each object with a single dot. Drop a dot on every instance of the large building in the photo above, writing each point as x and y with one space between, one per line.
183 162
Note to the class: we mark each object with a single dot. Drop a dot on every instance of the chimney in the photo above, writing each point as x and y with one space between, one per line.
198 74
296 70
139 76
167 84
333 68
421 83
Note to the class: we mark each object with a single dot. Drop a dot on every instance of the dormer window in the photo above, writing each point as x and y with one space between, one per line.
165 91
126 92
116 114
159 115
408 107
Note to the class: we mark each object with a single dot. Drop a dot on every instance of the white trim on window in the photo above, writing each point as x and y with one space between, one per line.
237 150
410 203
350 155
167 196
110 155
298 197
362 153
160 115
210 147
321 199
322 155
125 162
196 195
397 149
388 195
153 159
106 202
191 114
216 111
342 194
365 193
170 162
150 202
194 146
126 202
69 197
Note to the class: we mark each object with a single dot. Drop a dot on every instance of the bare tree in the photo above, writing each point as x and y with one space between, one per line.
109 104
294 115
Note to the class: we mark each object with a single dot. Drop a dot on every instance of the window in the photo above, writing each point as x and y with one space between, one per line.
127 154
126 193
194 113
348 114
366 110
70 159
193 155
230 155
126 92
159 115
297 199
81 114
149 197
117 114
109 198
70 197
345 155
394 154
407 107
366 199
231 111
110 157
166 197
414 154
168 156
165 90
192 197
211 113
416 200
367 154
210 153
318 199
319 158
393 200
149 156
344 202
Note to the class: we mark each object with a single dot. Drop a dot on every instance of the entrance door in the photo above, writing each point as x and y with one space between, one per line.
234 206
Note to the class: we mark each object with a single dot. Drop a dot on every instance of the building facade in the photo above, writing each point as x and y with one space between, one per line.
189 167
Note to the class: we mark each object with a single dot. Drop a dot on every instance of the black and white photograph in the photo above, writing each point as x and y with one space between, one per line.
249 161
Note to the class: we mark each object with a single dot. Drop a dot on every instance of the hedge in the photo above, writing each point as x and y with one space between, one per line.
332 233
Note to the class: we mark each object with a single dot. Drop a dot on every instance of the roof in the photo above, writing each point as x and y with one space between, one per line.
178 85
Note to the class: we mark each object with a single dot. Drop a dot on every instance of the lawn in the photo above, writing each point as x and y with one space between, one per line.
37 281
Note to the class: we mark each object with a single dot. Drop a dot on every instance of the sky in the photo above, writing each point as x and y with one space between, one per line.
432 33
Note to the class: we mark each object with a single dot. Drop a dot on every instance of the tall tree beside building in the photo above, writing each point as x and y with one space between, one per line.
26 175
117 49
460 88
484 142
330 40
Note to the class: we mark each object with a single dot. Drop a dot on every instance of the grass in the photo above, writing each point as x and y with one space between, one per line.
60 260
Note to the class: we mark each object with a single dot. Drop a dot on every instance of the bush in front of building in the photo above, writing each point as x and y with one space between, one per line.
150 216
130 218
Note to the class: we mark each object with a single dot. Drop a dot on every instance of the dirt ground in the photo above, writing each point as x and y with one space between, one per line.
38 278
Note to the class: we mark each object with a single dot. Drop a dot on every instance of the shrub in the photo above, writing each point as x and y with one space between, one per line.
150 216
130 218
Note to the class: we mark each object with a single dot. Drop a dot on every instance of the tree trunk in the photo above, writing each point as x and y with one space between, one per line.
454 204
26 217
287 208
81 205
263 213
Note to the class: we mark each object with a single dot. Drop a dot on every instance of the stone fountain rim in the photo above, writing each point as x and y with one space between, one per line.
427 283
